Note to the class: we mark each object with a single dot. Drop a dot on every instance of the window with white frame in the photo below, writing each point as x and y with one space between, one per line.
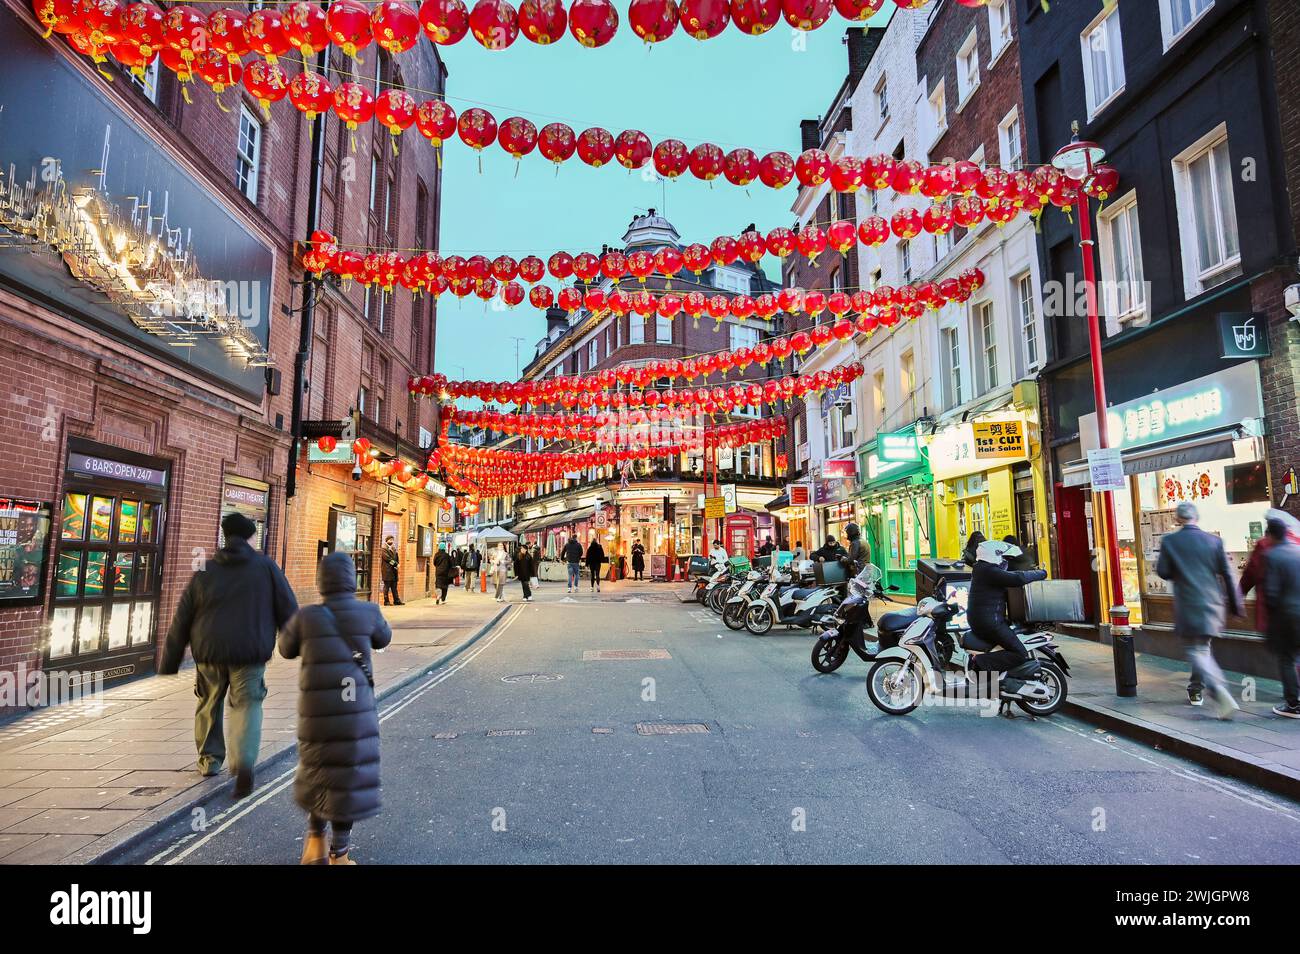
999 25
731 281
374 182
741 336
882 98
636 329
907 378
938 113
1028 317
1124 289
968 68
1207 213
1179 16
1009 140
950 348
1103 60
986 339
248 153
663 330
593 352
878 398
905 259
837 423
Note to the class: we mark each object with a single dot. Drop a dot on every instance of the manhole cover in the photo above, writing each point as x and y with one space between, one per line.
671 728
596 655
601 730
528 678
499 732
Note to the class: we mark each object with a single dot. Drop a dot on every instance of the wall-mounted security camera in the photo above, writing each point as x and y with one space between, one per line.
356 470
1291 298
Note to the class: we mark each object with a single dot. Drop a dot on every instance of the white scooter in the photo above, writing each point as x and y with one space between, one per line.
791 605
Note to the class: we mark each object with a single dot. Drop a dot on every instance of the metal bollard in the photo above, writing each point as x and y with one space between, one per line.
1122 649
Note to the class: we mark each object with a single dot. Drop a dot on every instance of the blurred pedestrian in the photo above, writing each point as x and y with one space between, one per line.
228 617
524 571
595 558
1252 576
389 561
798 555
442 573
500 569
573 557
473 561
535 553
1281 592
970 551
337 778
1197 565
638 560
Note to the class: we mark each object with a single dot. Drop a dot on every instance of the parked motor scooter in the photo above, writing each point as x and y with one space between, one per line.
718 572
850 627
791 604
739 597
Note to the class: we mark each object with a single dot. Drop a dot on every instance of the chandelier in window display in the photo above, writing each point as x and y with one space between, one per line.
145 268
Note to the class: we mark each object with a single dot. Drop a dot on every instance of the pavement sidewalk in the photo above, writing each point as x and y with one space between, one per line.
79 780
1255 746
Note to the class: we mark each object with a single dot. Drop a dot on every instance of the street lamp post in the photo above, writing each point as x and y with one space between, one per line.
1077 160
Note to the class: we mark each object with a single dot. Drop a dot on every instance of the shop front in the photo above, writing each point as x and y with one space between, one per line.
834 503
791 512
896 498
108 561
1201 443
988 479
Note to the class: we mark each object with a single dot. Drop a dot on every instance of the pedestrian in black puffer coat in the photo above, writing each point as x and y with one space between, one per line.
338 729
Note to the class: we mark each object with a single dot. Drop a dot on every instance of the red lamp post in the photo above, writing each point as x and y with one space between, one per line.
1077 160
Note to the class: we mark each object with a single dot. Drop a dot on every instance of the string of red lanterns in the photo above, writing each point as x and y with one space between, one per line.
212 48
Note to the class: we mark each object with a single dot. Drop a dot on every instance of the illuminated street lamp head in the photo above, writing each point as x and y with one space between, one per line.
1079 158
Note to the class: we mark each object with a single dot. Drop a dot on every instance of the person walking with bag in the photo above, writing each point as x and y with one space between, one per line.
573 557
228 617
524 571
1197 565
500 569
595 558
337 779
1280 591
472 563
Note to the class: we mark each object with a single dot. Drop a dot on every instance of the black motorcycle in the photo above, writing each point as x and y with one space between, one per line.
851 627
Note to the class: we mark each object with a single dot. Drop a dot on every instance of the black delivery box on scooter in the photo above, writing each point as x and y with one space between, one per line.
1046 601
928 573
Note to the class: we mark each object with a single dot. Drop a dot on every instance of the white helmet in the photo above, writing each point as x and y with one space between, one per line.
995 551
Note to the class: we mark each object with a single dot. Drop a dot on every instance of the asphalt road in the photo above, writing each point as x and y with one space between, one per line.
522 752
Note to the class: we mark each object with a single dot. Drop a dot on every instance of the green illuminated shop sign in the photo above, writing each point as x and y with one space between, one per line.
899 447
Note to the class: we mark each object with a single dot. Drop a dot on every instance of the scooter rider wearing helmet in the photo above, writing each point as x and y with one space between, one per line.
986 608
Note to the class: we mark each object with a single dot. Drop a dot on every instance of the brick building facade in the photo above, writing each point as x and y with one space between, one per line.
139 433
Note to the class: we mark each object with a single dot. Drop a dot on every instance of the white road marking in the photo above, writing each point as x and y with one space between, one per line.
237 811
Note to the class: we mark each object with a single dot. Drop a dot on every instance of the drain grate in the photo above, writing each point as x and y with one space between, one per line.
493 733
671 728
532 678
598 655
601 730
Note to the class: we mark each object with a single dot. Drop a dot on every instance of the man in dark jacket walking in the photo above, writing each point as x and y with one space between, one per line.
228 617
1281 594
573 557
473 561
595 559
524 570
388 570
337 780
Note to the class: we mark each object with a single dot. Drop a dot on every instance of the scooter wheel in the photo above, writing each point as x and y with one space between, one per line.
895 687
829 654
717 600
733 617
1051 676
758 619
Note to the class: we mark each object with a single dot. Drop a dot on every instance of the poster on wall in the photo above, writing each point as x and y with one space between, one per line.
24 543
343 532
426 542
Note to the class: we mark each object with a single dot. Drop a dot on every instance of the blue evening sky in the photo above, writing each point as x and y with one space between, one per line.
734 90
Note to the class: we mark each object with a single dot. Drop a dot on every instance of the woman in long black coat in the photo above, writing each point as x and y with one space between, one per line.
638 559
443 569
337 780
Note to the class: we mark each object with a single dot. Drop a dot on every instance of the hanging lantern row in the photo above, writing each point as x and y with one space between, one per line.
212 50
96 27
377 464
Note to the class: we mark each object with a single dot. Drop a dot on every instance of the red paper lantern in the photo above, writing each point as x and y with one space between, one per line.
265 35
395 26
704 19
557 142
806 14
857 10
560 265
965 176
781 242
776 169
327 444
697 257
267 81
354 104
755 17
143 24
1103 182
740 166
532 269
185 33
542 21
653 20
841 236
706 161
477 128
494 23
937 220
595 145
518 136
436 121
395 110
632 148
348 24
668 261
671 158
906 223
613 265
444 21
541 296
132 57
57 16
593 23
304 28
812 167
226 33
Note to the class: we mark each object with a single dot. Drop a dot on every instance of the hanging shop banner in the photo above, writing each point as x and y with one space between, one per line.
998 440
1243 334
800 495
715 507
839 468
900 447
1211 403
447 517
1106 469
24 544
729 497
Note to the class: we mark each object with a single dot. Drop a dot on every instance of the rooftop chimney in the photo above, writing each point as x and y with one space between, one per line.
810 134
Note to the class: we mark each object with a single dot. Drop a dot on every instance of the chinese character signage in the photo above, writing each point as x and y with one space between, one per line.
24 541
995 440
798 494
970 448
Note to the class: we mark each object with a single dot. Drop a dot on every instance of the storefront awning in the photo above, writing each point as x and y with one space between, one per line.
778 503
554 520
1215 445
